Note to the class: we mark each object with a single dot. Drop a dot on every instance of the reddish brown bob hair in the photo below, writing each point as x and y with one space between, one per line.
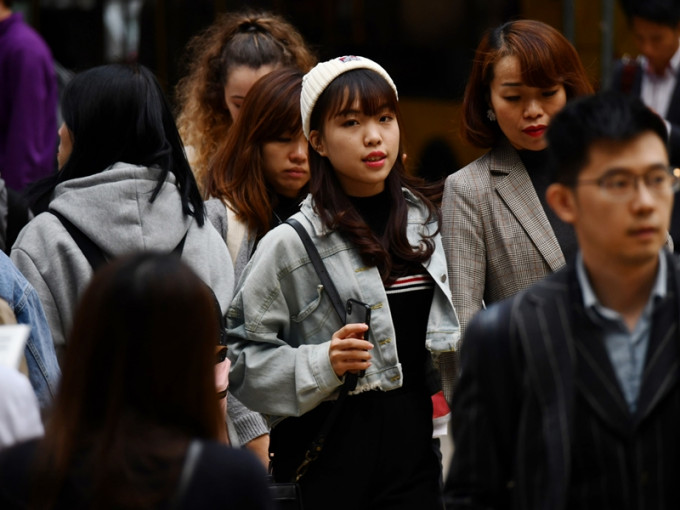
546 58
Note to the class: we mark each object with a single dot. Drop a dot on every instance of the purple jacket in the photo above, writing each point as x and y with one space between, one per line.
28 104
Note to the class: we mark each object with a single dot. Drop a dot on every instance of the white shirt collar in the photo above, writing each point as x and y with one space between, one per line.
673 64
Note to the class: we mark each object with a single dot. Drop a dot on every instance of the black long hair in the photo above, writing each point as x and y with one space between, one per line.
391 251
118 113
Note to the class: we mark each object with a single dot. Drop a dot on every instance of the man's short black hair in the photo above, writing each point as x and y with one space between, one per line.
662 12
606 116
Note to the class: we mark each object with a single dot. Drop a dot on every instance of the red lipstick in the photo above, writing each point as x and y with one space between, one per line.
535 131
375 159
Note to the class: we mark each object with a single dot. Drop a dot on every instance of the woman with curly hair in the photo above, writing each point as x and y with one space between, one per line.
225 60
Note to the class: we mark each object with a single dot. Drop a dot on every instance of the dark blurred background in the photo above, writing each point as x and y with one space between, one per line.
426 45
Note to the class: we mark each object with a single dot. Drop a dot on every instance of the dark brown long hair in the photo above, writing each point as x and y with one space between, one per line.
137 385
391 250
270 110
546 58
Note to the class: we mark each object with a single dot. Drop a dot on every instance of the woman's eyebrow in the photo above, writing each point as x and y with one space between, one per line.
348 111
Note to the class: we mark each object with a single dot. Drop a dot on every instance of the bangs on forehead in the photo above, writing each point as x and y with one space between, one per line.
287 127
291 120
537 61
539 72
275 106
362 86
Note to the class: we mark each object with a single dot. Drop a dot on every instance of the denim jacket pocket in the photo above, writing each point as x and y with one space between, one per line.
311 307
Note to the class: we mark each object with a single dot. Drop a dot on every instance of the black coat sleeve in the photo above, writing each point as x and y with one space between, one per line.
485 410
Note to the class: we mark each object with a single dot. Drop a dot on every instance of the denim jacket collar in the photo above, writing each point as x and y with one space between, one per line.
320 230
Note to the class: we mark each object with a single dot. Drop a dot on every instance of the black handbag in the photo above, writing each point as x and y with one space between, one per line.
287 494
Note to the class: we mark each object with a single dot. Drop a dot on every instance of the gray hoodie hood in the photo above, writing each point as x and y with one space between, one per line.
136 222
112 208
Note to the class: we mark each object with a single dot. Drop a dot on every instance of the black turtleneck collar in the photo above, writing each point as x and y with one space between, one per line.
536 163
284 208
374 210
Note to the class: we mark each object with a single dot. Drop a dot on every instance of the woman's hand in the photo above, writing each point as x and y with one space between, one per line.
348 352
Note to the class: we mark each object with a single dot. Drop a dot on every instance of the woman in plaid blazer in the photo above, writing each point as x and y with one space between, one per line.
498 233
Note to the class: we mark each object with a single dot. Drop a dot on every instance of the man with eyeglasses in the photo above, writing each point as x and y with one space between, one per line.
569 393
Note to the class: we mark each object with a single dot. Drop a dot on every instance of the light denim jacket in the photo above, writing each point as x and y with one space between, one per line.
280 322
41 360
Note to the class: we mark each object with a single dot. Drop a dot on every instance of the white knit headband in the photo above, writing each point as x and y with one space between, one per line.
316 81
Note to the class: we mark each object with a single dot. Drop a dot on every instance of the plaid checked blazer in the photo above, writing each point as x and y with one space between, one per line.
496 235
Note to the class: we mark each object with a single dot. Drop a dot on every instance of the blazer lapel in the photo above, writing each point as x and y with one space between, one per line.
596 381
514 186
660 374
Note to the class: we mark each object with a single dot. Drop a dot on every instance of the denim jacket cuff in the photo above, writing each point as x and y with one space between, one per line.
323 370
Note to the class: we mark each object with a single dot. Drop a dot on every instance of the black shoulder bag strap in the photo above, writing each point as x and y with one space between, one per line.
191 457
95 256
350 379
93 253
319 267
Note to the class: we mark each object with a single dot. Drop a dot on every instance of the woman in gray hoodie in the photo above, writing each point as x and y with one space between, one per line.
125 184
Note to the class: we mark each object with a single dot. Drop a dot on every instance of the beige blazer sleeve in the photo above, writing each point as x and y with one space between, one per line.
496 235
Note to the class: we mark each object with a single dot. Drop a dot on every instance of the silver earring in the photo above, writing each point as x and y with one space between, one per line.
491 115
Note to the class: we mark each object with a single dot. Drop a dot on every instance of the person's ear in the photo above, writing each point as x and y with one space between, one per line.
562 201
316 141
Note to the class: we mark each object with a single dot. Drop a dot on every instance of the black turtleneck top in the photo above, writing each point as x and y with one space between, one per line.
285 207
409 297
536 163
